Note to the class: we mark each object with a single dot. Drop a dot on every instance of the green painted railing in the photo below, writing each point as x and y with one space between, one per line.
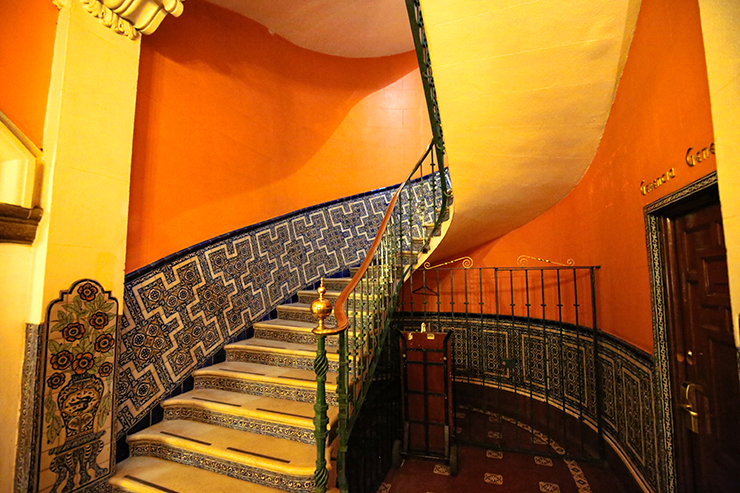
363 310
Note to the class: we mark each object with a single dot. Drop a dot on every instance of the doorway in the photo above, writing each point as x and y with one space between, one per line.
699 353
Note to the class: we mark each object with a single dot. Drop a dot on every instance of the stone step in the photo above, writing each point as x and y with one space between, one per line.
153 475
261 459
290 420
417 244
269 381
293 331
278 353
429 229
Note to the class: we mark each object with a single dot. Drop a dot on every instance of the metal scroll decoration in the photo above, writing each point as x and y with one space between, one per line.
78 385
467 263
523 260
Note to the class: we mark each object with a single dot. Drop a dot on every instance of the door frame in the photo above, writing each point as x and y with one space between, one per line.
655 213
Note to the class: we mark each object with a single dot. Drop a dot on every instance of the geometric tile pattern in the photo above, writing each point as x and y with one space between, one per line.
182 309
559 361
549 487
493 478
543 461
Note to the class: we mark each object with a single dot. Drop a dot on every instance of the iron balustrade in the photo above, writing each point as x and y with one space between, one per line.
525 351
364 308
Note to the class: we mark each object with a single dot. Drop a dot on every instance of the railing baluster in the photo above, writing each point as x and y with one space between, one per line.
578 353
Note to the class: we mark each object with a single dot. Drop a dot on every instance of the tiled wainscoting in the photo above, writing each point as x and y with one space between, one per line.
182 309
560 359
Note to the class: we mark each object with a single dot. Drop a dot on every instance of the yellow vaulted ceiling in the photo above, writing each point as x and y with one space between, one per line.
524 89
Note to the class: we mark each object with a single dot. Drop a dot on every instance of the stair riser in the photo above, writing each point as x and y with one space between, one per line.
312 296
235 470
250 425
303 316
335 285
286 361
289 336
262 388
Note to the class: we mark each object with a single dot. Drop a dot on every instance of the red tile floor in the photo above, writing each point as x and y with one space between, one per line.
492 470
482 470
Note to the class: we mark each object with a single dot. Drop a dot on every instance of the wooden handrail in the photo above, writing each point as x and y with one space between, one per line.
339 313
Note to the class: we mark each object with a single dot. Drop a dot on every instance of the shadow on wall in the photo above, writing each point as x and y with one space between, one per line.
229 116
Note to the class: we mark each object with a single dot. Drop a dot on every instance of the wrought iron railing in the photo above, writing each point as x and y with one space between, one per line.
363 310
526 350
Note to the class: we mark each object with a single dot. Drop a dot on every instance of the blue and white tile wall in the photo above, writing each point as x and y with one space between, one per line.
180 310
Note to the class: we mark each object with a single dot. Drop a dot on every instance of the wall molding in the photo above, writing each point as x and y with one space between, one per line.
130 18
19 224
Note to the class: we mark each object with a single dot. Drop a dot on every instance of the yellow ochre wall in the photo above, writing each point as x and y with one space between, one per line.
83 120
235 125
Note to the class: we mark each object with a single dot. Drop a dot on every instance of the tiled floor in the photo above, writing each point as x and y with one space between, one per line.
484 470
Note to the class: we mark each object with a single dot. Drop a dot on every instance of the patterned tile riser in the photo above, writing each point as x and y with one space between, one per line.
261 388
335 284
294 337
286 361
293 433
293 484
302 316
309 298
181 310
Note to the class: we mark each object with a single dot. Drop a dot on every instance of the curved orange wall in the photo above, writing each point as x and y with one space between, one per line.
27 32
235 126
661 109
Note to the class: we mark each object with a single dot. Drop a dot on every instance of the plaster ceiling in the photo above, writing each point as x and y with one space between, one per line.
348 28
524 89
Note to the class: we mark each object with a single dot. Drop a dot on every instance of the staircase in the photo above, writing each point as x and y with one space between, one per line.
247 425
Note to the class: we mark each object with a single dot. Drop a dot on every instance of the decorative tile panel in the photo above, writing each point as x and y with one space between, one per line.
74 440
182 309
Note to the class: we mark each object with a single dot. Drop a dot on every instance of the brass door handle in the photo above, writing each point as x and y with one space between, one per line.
690 405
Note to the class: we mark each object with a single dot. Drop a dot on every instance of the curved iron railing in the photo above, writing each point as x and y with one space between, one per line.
364 308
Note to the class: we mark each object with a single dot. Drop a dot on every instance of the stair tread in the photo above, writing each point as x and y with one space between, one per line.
248 449
280 347
134 473
293 377
293 413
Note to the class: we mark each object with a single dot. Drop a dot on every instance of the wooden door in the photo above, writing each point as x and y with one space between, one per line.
704 371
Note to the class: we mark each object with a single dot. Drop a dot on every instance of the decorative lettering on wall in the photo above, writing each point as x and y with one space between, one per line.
646 188
694 158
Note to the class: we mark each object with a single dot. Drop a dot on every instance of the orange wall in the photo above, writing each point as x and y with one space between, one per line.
661 109
235 126
27 31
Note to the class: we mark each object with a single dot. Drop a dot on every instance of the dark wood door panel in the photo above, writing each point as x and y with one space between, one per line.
704 351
